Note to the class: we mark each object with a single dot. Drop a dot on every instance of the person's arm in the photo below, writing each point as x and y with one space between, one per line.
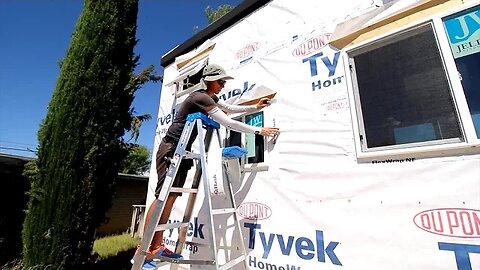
264 102
219 116
235 108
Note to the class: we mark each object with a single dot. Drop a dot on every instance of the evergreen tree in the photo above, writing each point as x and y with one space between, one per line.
81 143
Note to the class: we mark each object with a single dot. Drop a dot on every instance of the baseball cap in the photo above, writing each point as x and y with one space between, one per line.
215 72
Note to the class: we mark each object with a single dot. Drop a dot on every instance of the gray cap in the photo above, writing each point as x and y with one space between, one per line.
215 72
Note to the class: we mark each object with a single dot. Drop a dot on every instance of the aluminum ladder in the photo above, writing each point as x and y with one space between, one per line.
200 122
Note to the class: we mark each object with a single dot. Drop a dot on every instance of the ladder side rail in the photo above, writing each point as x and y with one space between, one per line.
191 198
206 185
176 160
236 220
150 226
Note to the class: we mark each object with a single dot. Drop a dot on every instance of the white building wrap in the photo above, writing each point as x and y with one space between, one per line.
311 204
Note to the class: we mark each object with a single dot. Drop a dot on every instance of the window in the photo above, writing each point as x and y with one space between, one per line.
254 144
463 32
402 93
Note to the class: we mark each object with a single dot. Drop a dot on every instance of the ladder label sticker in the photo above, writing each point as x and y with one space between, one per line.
215 169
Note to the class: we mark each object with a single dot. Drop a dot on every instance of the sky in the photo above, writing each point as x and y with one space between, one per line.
34 37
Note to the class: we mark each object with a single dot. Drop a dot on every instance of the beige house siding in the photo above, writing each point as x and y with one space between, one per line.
130 190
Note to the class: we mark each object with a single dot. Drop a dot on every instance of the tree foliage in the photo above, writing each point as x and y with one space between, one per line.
215 14
81 141
137 160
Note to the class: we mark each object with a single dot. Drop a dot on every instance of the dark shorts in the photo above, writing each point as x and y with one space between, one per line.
164 153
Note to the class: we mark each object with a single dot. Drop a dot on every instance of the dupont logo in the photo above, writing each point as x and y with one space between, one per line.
254 211
248 50
453 222
312 45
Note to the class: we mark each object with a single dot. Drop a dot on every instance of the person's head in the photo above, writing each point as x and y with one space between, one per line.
215 77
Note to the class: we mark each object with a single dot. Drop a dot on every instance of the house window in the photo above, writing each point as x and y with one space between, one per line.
463 32
254 144
402 92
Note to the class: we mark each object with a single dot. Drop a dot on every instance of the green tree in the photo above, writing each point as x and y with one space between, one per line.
81 141
215 14
137 160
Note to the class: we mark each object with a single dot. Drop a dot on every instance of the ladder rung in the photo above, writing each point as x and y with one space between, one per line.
223 211
182 261
172 225
233 262
228 247
183 190
190 155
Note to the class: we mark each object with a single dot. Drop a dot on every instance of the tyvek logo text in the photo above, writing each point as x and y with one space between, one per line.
305 248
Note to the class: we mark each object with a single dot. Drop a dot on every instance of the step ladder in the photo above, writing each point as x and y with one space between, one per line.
200 122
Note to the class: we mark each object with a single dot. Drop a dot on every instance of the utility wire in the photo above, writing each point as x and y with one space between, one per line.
18 149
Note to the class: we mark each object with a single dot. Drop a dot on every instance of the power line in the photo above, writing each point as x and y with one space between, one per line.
18 149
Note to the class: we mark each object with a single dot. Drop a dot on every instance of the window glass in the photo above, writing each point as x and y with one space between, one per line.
254 144
404 93
463 31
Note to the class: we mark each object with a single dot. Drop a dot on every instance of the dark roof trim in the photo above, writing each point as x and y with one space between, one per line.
9 159
241 11
124 176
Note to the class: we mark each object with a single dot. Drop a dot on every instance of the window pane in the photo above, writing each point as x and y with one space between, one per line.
253 143
404 93
463 31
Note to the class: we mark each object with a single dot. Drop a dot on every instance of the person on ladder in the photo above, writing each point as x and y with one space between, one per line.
204 100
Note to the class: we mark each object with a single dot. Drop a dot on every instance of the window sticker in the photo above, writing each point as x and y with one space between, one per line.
463 31
256 120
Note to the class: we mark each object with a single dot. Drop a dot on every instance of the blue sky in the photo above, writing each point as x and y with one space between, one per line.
34 36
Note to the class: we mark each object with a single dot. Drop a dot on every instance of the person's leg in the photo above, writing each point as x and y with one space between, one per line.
167 210
165 150
179 181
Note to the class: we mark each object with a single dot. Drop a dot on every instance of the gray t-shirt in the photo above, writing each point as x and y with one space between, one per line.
197 101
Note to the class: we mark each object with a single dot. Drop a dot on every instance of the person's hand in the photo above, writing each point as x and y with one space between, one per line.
269 131
263 102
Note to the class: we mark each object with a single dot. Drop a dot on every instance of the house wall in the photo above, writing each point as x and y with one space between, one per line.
312 204
118 218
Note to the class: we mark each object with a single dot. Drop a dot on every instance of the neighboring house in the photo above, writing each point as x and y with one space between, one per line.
130 190
12 204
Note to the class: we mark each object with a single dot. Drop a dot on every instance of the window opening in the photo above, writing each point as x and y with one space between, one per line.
254 144
404 93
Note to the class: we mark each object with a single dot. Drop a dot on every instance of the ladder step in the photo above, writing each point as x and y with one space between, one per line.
172 225
190 155
206 122
159 258
223 211
233 262
183 190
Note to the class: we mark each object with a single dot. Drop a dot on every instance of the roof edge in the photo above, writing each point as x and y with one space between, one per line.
241 11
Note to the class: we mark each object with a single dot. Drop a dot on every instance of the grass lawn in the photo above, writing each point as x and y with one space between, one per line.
114 252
